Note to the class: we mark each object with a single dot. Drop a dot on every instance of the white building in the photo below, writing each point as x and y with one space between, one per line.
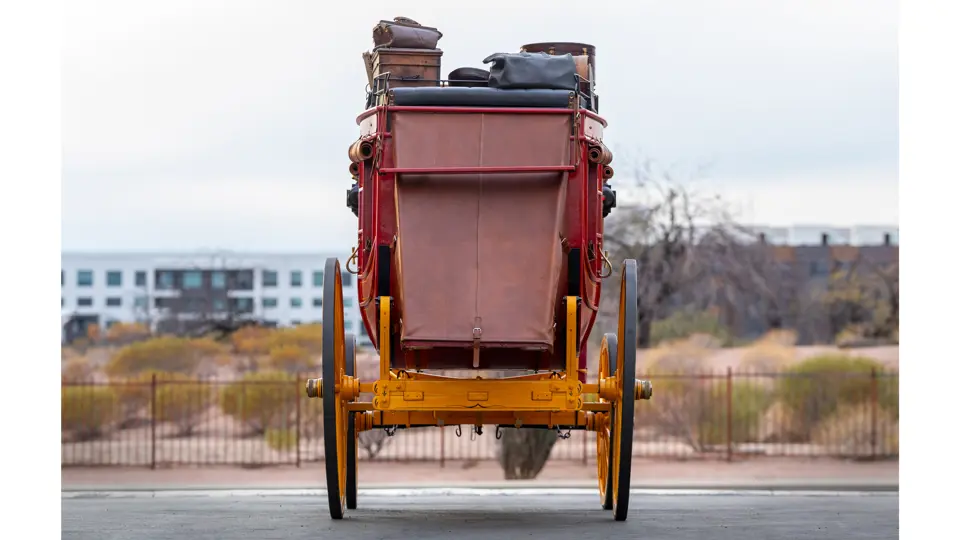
285 289
814 235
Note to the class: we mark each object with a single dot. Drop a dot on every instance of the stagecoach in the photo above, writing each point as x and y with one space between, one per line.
480 202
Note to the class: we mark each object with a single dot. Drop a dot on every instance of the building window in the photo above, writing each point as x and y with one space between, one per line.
114 278
62 278
140 302
219 305
62 302
318 278
242 305
269 302
347 302
269 278
348 325
819 268
192 280
84 278
114 301
140 278
218 280
193 304
165 279
318 302
242 280
295 302
294 323
347 278
84 301
296 278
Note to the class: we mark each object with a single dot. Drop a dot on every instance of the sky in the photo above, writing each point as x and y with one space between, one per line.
225 124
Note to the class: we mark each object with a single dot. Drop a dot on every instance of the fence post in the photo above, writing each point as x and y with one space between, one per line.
299 397
729 413
873 413
153 421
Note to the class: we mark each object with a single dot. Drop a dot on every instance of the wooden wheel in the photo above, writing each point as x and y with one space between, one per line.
623 407
608 349
350 353
335 417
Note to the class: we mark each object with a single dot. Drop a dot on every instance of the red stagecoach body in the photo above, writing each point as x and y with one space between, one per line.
478 221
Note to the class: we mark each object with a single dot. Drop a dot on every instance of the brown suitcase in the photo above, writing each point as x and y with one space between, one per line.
403 33
408 67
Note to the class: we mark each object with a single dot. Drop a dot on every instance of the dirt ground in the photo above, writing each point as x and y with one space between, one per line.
646 473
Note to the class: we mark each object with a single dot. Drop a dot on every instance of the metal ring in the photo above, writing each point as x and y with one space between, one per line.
353 257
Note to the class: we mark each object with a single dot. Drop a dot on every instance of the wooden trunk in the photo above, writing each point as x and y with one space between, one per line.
408 67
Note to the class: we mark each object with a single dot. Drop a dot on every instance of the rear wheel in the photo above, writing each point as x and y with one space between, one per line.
623 406
335 417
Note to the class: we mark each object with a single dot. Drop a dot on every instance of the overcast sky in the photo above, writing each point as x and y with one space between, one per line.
225 124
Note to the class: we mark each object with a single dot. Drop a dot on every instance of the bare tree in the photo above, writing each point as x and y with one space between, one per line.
682 243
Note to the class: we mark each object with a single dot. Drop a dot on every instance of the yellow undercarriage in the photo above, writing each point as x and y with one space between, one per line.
413 399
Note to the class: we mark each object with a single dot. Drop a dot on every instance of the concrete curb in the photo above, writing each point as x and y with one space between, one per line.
755 485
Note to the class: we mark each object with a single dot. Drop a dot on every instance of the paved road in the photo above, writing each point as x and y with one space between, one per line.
480 515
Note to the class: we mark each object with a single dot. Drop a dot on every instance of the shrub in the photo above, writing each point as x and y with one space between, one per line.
182 401
780 423
262 400
78 369
251 340
87 411
850 432
685 323
748 401
683 356
815 388
134 394
680 395
167 354
690 402
122 333
281 439
311 417
523 452
308 337
290 358
771 353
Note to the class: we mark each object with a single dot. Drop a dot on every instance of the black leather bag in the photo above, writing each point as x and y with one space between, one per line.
468 76
532 70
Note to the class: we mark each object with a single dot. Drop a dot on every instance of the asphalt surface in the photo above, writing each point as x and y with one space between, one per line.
471 514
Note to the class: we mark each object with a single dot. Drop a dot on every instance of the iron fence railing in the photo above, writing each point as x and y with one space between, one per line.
158 421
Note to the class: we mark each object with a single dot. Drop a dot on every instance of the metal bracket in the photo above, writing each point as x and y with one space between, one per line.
477 333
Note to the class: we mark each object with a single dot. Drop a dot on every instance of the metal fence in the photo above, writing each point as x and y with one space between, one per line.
726 415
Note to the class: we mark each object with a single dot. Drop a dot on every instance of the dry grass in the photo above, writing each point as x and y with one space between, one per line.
850 432
771 353
780 423
678 357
